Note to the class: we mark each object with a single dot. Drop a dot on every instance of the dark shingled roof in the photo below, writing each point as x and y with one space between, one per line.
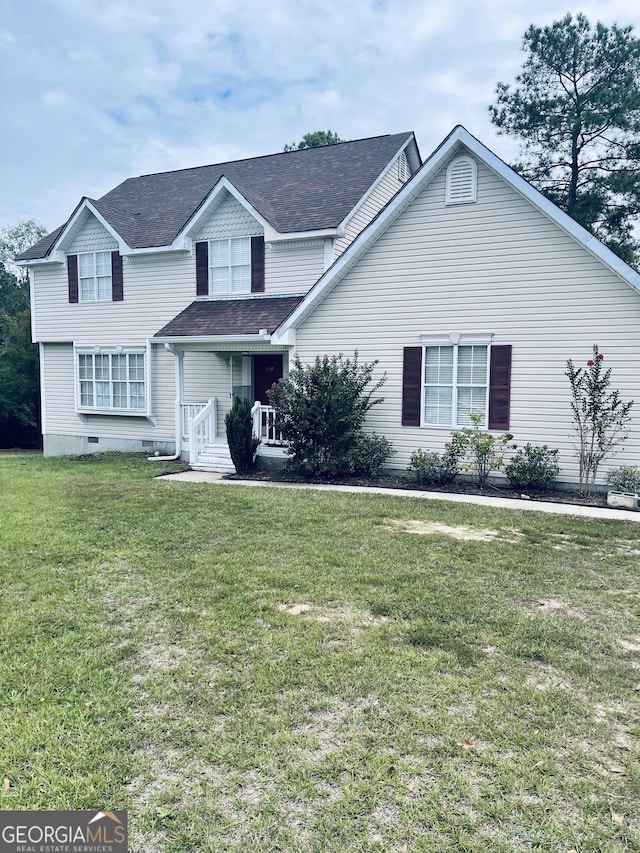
294 191
230 317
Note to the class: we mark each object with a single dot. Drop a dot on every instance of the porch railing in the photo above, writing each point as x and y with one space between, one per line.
189 411
264 425
201 428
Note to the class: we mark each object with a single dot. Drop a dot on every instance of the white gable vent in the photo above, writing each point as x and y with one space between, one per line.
403 168
462 181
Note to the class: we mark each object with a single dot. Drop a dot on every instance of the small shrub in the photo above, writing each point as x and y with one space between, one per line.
369 455
435 469
626 478
483 451
533 467
242 442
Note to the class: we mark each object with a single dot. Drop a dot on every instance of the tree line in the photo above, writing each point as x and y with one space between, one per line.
19 368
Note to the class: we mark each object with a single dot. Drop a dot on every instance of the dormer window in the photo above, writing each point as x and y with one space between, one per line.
461 181
230 266
94 272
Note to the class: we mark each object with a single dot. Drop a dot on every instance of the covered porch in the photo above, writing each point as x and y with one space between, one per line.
220 354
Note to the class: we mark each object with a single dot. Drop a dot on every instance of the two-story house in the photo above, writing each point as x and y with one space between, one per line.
155 304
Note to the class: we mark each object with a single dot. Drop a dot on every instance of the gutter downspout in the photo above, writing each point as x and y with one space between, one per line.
179 368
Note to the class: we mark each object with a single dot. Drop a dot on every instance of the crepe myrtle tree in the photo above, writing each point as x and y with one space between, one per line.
321 409
600 416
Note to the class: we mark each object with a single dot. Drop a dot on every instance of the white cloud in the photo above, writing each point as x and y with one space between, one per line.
98 90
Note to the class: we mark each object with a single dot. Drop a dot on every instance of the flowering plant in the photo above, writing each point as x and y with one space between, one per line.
600 416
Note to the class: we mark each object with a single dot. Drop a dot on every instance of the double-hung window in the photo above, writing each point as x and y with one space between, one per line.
94 273
456 382
230 266
111 381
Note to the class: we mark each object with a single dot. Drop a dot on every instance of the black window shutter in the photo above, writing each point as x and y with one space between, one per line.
411 386
257 265
500 387
117 282
202 269
72 275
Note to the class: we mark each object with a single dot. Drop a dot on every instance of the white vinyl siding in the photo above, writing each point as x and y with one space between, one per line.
230 266
499 265
384 190
94 275
293 267
63 420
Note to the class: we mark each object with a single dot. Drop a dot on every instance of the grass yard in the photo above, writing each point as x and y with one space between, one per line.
257 669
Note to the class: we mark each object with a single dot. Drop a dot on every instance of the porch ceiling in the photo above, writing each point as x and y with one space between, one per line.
219 317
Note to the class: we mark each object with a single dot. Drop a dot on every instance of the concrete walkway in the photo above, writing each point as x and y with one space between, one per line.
479 500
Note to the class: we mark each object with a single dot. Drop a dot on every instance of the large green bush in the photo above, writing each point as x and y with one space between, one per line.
321 409
242 443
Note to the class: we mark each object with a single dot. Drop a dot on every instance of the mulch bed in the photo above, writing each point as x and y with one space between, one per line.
460 487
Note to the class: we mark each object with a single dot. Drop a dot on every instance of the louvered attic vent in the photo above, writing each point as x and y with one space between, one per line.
462 181
403 168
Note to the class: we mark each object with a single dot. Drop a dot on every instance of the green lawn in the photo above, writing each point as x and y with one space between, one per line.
272 670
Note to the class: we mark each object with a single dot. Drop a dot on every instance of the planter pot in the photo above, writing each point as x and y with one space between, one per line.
622 500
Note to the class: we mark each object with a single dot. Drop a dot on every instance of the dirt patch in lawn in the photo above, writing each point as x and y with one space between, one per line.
351 616
460 531
553 607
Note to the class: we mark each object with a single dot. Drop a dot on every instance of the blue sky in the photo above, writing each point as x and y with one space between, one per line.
95 91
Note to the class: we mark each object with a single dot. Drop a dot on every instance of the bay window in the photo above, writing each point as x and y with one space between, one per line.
111 380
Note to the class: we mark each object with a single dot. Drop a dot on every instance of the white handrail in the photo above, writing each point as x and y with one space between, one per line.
202 429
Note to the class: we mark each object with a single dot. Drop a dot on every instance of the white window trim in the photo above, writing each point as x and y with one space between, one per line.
455 340
472 195
230 266
96 297
111 350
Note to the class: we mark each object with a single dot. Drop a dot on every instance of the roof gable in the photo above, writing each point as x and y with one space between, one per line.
459 141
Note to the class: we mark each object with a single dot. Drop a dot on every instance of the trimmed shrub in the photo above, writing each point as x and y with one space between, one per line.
321 409
626 478
533 467
242 443
435 469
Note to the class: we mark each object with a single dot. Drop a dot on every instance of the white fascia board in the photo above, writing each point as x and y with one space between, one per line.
162 250
57 257
458 137
273 236
343 225
213 339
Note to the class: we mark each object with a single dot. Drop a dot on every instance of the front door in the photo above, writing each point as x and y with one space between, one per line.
267 369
